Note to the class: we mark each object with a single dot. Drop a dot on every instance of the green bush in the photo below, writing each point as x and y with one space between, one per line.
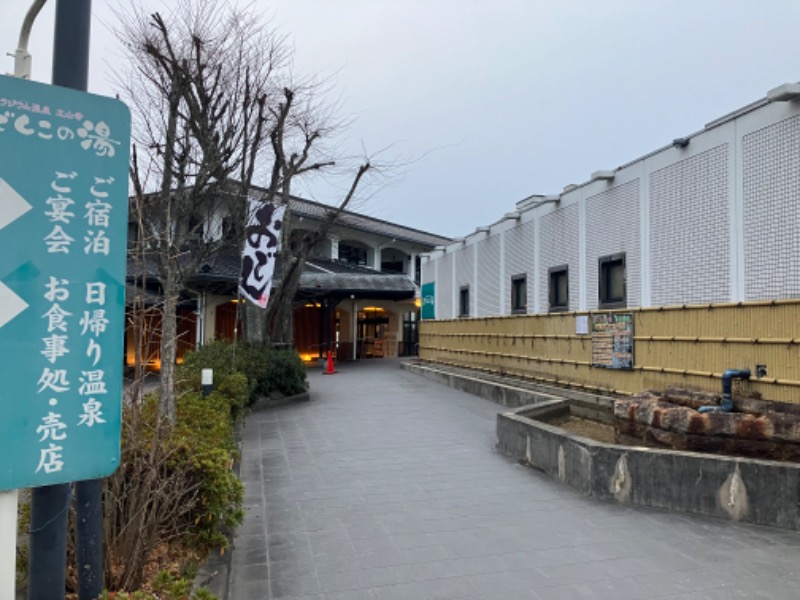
175 482
267 370
285 373
204 436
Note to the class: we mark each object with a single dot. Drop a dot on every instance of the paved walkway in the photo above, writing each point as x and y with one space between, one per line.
387 486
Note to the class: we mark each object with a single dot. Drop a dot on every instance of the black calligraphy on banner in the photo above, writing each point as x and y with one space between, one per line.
261 245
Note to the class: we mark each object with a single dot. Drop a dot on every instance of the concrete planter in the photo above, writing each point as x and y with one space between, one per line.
739 489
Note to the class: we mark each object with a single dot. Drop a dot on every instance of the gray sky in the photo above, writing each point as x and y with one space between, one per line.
484 102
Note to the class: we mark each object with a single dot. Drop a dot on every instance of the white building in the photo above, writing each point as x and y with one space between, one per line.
711 217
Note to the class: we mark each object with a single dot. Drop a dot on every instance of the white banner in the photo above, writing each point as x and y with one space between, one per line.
261 244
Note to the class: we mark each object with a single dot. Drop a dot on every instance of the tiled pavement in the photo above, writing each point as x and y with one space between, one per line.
387 486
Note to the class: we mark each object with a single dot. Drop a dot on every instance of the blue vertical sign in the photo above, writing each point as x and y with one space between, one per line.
63 227
428 293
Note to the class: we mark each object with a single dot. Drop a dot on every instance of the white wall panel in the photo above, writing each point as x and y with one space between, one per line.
465 274
488 256
612 226
771 172
690 229
444 288
520 243
428 271
559 244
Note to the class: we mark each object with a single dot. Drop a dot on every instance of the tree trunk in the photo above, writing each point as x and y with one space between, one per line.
169 339
256 323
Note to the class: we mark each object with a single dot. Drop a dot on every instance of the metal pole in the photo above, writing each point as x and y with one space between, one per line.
71 43
355 328
71 69
22 58
48 533
89 530
48 542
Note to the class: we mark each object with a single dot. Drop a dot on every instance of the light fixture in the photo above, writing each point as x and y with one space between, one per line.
680 142
784 93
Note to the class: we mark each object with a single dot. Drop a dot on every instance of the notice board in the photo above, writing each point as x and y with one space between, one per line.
612 340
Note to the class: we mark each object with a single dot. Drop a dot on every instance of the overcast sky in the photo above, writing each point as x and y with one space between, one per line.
485 102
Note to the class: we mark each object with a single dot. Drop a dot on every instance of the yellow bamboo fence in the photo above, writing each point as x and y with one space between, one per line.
687 346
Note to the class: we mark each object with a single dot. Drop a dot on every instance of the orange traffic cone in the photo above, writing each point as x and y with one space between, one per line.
329 370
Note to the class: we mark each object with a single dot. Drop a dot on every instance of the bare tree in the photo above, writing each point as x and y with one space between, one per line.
215 105
302 125
199 90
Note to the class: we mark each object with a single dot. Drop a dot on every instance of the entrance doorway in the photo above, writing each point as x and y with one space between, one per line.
373 325
411 334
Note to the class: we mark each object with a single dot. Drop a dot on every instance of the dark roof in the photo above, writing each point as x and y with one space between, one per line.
334 278
353 220
220 275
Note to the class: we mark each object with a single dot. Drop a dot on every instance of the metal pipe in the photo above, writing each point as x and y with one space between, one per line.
727 384
22 58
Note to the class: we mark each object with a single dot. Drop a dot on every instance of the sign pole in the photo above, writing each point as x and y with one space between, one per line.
71 69
8 544
48 542
49 514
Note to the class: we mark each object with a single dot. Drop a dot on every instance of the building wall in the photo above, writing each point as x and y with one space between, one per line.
712 221
612 226
559 245
689 230
704 228
445 295
520 245
771 196
487 251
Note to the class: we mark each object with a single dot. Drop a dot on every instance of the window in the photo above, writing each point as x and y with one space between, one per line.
519 294
612 281
351 254
558 288
463 302
393 261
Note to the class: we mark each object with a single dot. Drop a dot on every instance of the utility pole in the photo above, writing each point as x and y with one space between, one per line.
49 504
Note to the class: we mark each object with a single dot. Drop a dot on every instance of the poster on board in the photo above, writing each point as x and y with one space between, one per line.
612 340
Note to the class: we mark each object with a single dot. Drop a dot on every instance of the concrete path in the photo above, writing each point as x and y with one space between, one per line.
387 486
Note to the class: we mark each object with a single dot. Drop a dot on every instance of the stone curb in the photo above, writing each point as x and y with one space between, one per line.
278 400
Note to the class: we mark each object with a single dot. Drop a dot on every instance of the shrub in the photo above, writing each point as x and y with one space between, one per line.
204 437
174 484
267 369
285 373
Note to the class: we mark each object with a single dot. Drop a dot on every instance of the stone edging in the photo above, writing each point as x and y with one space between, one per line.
739 489
267 402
